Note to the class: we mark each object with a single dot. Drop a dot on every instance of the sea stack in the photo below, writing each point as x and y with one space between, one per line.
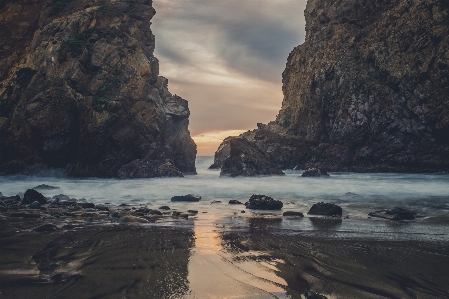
368 90
80 90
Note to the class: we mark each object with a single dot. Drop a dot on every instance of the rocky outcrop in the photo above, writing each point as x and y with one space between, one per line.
239 157
367 91
80 90
325 209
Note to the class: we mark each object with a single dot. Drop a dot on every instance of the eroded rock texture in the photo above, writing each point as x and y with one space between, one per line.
367 91
80 90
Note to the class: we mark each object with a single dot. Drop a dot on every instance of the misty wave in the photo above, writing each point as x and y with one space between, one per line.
357 193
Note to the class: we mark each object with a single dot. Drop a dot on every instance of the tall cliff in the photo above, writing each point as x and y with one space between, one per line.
367 91
80 89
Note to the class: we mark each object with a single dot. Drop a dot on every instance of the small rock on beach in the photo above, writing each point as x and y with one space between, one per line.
263 202
325 209
393 214
32 195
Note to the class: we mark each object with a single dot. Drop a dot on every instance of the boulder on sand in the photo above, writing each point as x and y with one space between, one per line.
393 214
325 209
188 197
263 202
31 196
293 213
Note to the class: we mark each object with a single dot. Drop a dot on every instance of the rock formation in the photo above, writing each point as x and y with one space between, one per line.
79 90
241 158
367 91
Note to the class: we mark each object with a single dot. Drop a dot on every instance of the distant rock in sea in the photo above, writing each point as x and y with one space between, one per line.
241 158
45 187
188 198
314 172
80 90
367 91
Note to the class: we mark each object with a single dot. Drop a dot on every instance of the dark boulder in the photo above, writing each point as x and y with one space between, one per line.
314 172
102 208
235 202
87 205
325 209
164 208
154 212
393 214
188 197
263 202
32 195
292 213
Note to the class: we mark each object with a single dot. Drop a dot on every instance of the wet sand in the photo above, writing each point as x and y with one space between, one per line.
210 257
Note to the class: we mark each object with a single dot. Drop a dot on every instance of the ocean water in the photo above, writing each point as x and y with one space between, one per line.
241 274
357 193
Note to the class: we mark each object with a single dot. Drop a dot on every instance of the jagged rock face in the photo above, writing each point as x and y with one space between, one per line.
85 93
367 91
245 159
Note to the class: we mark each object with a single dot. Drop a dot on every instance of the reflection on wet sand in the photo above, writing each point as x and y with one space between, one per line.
217 273
217 256
108 262
338 267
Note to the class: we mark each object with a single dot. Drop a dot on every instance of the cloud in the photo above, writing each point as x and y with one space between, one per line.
226 57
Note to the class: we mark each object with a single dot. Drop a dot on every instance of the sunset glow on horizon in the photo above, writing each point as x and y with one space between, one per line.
208 142
226 59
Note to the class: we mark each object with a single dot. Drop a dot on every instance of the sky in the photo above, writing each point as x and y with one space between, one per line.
226 58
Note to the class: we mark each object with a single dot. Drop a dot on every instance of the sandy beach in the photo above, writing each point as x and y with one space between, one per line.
206 256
